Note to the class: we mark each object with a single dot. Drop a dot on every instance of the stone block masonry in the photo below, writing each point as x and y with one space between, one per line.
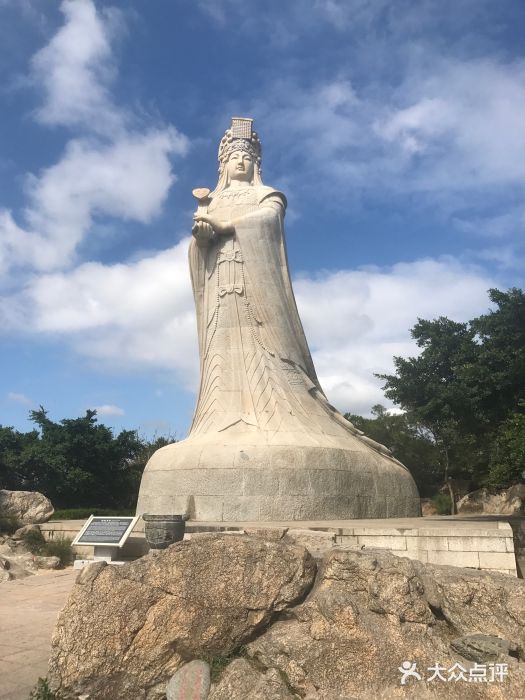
485 544
470 545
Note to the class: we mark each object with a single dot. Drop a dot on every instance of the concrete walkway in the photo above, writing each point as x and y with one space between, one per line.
28 612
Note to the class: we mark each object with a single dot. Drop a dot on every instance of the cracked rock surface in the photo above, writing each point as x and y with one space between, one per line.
125 629
371 611
242 680
285 630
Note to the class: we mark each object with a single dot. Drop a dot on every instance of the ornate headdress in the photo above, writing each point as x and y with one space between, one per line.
240 137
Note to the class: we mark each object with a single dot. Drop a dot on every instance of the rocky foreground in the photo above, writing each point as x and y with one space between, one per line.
21 511
284 625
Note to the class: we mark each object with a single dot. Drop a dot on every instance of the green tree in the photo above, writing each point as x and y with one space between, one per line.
467 380
431 388
75 462
498 377
82 463
507 459
14 472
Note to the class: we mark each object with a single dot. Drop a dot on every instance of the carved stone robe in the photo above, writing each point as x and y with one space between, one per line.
256 368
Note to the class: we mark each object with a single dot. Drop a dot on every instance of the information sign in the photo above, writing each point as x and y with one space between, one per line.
105 531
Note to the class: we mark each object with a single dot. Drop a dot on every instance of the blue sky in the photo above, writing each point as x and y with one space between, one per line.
396 130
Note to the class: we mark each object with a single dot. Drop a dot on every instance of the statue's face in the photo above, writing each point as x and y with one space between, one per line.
240 166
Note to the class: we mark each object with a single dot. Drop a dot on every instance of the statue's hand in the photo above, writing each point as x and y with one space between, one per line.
202 231
219 227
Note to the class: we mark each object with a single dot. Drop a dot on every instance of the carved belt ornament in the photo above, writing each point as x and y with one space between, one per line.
230 288
229 256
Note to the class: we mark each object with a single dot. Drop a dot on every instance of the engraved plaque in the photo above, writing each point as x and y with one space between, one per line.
100 530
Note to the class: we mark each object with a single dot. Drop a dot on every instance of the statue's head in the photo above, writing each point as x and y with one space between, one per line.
240 165
239 154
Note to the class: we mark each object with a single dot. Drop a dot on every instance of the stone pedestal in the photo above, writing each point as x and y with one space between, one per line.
243 482
105 553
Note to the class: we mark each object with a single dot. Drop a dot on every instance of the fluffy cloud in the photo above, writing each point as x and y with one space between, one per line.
357 320
454 129
76 68
109 410
128 179
124 316
141 315
116 167
461 125
418 100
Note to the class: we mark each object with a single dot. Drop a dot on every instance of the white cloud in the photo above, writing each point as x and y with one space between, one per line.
113 169
128 179
141 315
108 409
451 132
279 29
125 316
76 68
510 222
464 120
18 397
343 15
357 320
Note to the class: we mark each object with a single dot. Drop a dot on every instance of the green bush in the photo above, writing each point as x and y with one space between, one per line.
84 513
61 547
35 541
443 503
42 691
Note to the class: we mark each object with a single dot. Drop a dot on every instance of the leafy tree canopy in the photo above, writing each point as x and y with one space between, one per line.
468 380
75 462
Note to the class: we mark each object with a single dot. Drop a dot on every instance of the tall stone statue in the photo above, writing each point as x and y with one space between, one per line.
265 443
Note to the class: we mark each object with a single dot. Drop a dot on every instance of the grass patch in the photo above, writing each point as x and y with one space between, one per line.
61 547
219 663
42 691
84 513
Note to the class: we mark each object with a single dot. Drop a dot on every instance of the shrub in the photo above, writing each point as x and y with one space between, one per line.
61 547
42 691
219 663
443 503
35 541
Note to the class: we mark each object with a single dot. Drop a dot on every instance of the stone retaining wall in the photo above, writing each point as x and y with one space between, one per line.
477 548
473 544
